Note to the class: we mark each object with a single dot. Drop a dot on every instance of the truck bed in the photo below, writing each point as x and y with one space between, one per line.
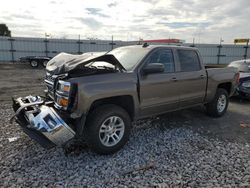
215 76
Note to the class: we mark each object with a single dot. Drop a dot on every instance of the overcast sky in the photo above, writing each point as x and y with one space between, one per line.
206 21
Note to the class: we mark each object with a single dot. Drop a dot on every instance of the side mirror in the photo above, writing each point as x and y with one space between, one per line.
153 68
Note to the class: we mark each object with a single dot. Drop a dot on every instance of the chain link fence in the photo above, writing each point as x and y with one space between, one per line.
12 48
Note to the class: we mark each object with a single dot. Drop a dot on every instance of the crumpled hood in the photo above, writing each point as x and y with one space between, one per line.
63 62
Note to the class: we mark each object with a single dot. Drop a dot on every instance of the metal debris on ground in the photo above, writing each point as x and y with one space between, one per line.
244 125
13 139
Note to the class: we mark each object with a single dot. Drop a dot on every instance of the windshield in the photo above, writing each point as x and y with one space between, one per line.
241 66
129 56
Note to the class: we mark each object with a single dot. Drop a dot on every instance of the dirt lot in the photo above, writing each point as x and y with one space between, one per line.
229 134
19 79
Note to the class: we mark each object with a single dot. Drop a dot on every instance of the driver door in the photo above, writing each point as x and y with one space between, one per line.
159 91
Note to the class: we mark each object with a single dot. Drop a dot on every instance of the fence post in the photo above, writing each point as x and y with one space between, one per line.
219 53
12 49
46 46
79 46
246 48
112 43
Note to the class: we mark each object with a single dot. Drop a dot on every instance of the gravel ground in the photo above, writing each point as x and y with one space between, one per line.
157 154
181 149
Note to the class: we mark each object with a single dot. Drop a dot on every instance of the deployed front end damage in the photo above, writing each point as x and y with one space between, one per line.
41 122
48 120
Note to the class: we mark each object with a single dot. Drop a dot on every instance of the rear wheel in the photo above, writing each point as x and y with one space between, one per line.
218 106
34 64
107 129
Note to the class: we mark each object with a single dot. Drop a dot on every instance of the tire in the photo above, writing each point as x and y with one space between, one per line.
98 132
45 62
34 64
218 106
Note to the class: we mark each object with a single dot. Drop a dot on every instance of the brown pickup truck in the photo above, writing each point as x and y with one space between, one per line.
94 97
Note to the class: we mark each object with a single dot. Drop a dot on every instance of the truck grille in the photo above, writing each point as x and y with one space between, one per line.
49 77
49 81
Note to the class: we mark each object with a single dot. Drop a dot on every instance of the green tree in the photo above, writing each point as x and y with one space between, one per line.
4 30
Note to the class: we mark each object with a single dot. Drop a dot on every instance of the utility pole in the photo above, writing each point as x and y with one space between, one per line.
219 51
193 45
221 40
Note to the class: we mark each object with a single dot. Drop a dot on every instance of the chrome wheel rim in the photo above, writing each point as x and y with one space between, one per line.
221 104
45 63
111 131
34 63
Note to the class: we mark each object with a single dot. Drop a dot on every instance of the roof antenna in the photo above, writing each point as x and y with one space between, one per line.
145 45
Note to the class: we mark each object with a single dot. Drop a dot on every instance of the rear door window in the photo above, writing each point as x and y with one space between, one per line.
189 60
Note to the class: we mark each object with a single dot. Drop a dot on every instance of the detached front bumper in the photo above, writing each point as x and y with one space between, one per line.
41 122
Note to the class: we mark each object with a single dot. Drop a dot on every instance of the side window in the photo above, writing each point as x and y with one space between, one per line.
165 57
189 60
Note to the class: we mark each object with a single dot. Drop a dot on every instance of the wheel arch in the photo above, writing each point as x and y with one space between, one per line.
227 86
124 101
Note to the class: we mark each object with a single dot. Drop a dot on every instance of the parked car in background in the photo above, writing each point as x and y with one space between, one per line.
243 89
35 61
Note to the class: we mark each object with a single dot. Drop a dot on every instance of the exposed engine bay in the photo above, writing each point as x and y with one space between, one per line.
83 64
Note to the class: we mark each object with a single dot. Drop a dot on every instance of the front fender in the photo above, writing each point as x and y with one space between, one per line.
112 85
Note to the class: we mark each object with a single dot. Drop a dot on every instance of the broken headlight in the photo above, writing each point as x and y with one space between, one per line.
62 94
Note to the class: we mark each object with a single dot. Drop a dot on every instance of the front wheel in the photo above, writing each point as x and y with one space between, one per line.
107 129
218 106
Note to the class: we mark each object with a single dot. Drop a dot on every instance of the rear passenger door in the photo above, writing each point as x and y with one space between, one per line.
191 78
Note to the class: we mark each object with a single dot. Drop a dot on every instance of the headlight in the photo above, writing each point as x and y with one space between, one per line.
63 87
246 84
62 94
62 102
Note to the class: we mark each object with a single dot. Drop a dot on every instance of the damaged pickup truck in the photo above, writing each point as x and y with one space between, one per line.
94 97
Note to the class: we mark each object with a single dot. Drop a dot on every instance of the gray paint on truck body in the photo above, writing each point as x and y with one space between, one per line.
155 93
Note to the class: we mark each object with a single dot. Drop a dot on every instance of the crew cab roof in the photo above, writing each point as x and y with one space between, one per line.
149 46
